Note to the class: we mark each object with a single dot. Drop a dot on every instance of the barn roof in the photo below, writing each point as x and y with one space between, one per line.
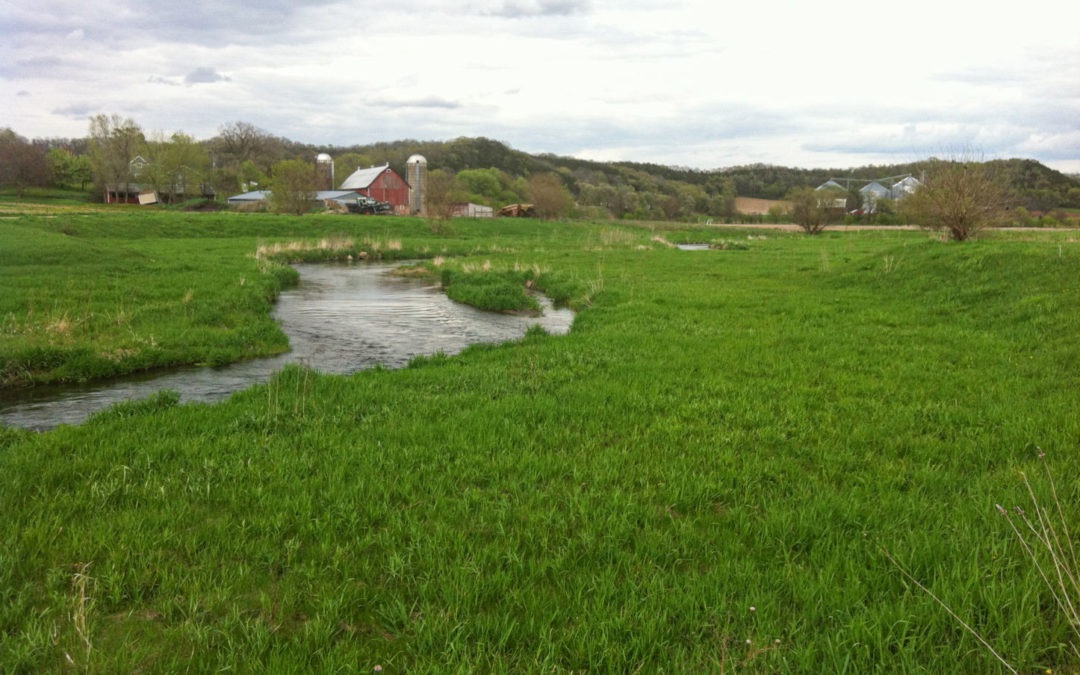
363 178
255 196
830 185
320 195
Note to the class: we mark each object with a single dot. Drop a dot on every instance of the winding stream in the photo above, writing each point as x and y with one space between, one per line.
339 319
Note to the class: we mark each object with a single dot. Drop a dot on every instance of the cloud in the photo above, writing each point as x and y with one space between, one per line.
428 102
76 110
202 22
518 9
36 66
204 76
22 93
157 79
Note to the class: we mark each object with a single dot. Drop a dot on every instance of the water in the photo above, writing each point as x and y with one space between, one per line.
339 319
693 247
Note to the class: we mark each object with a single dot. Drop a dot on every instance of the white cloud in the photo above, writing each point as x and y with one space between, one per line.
694 83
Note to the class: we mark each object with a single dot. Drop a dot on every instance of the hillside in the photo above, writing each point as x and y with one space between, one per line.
593 183
490 172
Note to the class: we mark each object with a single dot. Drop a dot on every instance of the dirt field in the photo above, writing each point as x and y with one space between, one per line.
751 205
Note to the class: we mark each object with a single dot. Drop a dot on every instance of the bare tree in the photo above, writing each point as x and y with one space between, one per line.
114 142
811 209
960 197
549 195
441 190
22 165
239 142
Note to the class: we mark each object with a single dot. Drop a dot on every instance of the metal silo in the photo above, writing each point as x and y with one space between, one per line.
324 169
416 176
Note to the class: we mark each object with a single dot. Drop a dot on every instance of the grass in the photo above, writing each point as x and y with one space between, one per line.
97 294
714 455
32 197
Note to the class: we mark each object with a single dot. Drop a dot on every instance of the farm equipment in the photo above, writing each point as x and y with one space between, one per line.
369 206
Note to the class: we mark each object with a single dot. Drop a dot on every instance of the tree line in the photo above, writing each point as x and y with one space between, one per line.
242 157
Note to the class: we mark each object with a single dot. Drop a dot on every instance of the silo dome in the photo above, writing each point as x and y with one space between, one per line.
323 157
416 159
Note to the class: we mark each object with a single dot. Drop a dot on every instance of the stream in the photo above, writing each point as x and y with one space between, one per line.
339 319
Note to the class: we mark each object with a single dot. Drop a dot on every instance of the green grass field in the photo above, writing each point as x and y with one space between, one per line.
700 477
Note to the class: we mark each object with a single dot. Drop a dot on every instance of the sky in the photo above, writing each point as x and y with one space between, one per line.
706 84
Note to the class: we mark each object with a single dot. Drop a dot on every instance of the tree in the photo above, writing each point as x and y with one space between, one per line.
178 167
59 162
238 142
346 164
960 197
292 186
721 190
21 164
549 196
250 177
440 192
114 142
811 209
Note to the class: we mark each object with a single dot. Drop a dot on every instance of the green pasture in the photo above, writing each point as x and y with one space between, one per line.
700 477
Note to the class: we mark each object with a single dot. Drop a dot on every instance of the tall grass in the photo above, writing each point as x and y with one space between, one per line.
720 430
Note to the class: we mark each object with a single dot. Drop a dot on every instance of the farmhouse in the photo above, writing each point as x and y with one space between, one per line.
173 187
381 183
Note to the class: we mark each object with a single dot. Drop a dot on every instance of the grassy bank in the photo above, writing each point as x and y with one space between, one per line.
99 294
714 455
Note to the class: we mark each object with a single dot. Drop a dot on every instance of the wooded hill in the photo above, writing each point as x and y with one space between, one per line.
645 186
486 171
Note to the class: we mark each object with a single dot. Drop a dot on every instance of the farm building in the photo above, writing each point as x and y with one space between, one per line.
872 194
832 187
381 183
903 187
123 193
171 188
875 190
470 210
340 196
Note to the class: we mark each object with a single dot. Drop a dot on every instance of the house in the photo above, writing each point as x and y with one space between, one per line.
152 189
381 183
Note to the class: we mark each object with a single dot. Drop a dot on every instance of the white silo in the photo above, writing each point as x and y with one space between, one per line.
416 177
324 169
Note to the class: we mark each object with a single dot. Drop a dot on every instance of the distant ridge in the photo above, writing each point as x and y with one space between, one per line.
1038 186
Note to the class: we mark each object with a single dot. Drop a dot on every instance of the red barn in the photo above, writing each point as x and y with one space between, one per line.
381 183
